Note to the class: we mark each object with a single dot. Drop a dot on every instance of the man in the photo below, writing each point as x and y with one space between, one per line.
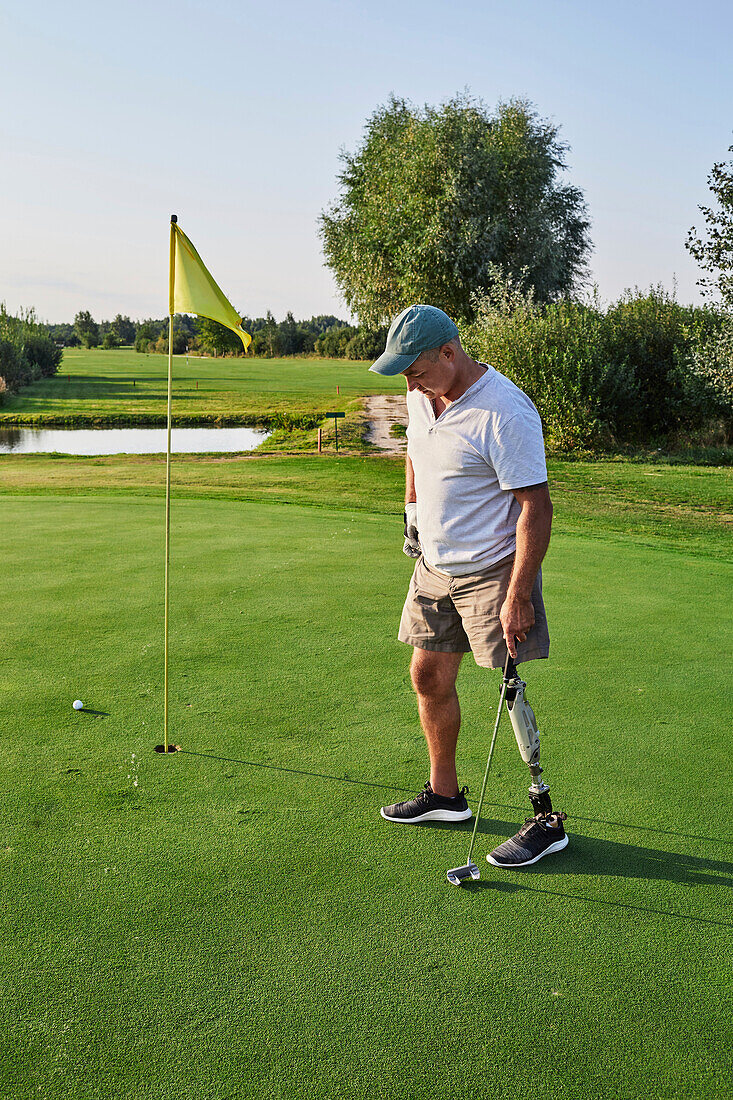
477 518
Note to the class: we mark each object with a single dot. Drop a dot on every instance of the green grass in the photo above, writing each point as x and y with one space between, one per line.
126 387
236 920
686 508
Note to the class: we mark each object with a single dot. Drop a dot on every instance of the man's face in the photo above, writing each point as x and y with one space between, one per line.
434 379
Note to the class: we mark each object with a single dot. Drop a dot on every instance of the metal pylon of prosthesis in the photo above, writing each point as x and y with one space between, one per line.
527 735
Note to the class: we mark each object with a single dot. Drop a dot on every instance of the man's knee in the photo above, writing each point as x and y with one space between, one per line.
434 674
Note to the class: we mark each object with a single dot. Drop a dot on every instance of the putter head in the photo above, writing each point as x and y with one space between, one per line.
457 875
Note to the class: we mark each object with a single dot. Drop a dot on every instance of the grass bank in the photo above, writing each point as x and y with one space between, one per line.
687 508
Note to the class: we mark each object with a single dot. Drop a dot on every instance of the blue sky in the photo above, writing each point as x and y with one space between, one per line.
233 115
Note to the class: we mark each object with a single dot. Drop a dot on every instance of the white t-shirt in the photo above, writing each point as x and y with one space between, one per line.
466 462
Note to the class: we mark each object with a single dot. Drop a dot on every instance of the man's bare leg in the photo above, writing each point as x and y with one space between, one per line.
434 678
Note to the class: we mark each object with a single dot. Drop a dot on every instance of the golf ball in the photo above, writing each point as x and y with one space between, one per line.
78 705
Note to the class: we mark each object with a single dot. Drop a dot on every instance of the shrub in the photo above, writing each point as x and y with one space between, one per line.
180 343
14 366
646 341
43 353
645 369
27 351
710 374
366 344
146 336
553 353
333 343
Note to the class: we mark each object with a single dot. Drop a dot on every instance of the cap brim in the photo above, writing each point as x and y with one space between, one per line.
388 363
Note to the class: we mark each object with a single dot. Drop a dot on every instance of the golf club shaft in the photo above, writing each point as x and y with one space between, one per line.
488 762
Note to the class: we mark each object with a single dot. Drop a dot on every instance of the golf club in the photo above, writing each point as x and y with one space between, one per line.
457 875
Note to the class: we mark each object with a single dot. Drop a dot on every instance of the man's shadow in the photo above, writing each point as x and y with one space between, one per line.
588 855
585 855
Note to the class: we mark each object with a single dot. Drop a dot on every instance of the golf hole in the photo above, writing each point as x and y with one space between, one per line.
171 748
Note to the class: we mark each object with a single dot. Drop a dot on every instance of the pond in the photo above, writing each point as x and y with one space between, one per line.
131 441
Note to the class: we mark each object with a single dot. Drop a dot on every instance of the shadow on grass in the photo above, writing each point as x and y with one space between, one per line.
485 826
624 825
516 887
584 856
591 856
299 771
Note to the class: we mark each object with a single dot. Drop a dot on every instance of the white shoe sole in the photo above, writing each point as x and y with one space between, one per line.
556 847
431 815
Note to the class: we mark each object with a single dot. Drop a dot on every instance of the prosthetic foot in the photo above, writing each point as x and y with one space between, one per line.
525 729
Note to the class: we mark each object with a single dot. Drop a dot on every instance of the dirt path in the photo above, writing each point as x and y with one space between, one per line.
382 412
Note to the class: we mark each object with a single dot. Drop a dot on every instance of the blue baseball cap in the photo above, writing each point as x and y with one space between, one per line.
415 330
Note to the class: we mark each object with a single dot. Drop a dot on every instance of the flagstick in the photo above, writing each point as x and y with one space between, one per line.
199 295
168 494
167 531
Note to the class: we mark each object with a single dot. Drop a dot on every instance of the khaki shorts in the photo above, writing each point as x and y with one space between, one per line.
461 614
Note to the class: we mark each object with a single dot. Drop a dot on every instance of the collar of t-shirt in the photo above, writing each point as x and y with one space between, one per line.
473 388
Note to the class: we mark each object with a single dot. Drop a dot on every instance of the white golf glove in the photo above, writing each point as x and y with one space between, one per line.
412 540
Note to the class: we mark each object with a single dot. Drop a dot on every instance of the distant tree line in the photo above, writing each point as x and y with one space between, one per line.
85 332
324 335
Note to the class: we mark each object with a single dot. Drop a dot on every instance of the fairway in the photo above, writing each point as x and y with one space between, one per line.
126 386
237 921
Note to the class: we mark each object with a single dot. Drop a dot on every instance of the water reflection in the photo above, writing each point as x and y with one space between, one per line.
131 441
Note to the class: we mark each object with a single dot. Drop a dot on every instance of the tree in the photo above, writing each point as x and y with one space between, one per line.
145 336
267 340
289 339
124 329
714 253
435 200
86 329
217 338
333 343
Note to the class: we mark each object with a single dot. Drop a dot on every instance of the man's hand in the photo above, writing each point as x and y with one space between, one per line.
412 540
516 618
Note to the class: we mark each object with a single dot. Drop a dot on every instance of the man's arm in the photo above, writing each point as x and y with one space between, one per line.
411 545
533 538
410 494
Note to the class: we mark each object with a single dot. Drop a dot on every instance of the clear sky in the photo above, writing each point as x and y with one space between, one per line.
232 115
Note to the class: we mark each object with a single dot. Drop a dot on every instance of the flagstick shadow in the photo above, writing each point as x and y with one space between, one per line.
612 856
490 826
300 771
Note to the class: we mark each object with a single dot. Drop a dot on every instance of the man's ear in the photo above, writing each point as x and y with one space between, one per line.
448 351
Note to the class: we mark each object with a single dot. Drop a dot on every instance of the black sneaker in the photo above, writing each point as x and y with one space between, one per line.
429 806
538 837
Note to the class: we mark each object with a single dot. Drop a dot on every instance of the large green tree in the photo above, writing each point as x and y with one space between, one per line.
714 250
436 199
86 329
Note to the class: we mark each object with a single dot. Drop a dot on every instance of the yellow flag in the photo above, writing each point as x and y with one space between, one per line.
192 289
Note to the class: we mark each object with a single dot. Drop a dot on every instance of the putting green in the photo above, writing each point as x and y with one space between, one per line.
237 921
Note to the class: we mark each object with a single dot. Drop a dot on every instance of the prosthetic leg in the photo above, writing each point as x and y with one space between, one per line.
525 729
